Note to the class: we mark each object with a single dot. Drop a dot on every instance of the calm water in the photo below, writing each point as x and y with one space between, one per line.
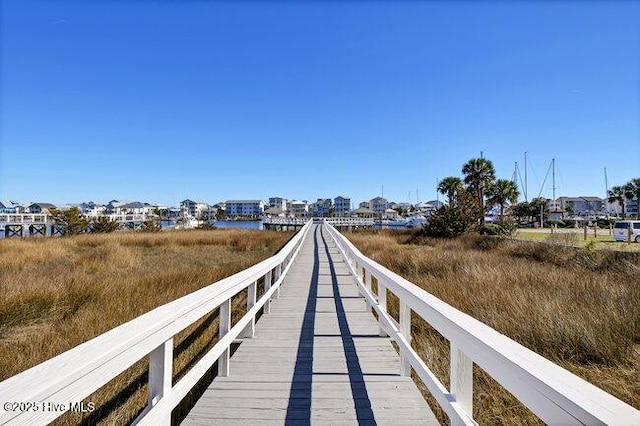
254 224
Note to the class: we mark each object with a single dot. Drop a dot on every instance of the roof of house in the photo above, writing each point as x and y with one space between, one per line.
43 205
363 210
135 205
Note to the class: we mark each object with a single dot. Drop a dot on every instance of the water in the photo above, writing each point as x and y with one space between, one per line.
242 224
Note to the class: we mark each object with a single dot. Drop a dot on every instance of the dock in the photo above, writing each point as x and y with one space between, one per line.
316 358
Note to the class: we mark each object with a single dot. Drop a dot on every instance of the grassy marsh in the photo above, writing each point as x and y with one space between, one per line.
579 308
56 293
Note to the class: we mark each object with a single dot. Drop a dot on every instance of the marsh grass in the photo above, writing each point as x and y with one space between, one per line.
56 293
578 308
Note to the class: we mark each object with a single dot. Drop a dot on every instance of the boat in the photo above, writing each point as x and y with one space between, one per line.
401 221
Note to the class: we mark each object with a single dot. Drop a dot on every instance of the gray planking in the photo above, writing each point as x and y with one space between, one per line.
316 358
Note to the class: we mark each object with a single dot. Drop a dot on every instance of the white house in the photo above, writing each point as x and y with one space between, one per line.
299 209
245 208
194 209
278 202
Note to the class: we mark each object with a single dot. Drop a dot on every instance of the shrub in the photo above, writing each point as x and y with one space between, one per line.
151 225
104 225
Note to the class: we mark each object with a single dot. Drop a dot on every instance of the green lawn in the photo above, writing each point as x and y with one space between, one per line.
576 238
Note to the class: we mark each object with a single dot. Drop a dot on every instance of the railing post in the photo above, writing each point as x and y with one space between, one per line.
461 377
250 330
278 273
267 286
405 330
225 325
367 285
160 375
382 301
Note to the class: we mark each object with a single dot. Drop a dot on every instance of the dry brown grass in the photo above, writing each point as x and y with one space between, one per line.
56 293
578 308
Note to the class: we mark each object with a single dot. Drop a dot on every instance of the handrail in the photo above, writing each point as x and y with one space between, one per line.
77 373
554 394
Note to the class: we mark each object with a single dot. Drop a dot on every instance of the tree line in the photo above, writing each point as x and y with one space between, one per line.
468 197
73 222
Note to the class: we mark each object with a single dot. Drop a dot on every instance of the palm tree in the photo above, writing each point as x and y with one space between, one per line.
503 191
632 191
479 174
450 186
618 193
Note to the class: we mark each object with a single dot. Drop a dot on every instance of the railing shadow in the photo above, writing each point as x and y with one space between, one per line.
300 396
299 406
354 369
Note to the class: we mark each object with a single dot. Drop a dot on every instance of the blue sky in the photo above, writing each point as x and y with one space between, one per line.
163 100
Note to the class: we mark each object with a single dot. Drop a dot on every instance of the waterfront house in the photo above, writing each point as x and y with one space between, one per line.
390 214
9 207
37 208
321 208
278 202
274 212
379 205
342 206
137 207
299 209
245 208
194 209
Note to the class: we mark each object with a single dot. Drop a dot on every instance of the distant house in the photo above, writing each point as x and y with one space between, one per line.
37 208
342 206
115 207
581 206
298 209
137 207
426 208
245 208
278 202
9 207
274 212
390 214
321 208
195 209
364 204
379 205
364 213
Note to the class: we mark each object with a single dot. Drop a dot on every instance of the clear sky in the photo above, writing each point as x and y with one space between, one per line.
160 101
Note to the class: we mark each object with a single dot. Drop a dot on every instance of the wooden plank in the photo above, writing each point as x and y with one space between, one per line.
316 358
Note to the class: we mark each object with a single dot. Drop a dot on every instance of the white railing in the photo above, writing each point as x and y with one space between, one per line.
349 221
130 217
25 218
285 220
77 373
551 392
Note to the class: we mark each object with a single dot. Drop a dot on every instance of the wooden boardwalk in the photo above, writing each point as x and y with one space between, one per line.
317 358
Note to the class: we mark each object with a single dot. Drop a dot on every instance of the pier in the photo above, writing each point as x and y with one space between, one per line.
316 355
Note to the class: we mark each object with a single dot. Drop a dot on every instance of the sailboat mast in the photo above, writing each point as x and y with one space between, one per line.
606 187
525 177
553 165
